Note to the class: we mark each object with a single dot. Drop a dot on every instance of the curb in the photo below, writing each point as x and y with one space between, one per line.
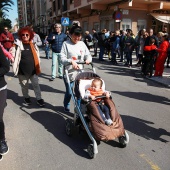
160 82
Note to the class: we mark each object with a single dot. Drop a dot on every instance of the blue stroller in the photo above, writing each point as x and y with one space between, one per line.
87 116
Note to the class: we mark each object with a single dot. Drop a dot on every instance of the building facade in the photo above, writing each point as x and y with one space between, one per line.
98 14
24 12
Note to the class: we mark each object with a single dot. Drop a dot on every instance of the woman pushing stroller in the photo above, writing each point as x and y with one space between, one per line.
73 49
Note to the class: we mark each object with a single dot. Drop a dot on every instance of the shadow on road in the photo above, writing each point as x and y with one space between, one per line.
144 97
55 124
14 97
142 128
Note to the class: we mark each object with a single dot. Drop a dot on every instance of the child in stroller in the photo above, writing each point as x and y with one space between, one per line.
97 125
96 90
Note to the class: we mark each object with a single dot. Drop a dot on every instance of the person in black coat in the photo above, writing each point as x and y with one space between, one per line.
4 68
95 42
101 44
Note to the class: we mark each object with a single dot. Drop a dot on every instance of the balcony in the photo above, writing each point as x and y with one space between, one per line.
95 7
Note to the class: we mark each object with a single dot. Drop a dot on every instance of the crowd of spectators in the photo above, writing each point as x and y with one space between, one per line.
123 43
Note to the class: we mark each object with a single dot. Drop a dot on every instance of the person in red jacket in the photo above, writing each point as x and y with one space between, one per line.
150 54
6 39
162 55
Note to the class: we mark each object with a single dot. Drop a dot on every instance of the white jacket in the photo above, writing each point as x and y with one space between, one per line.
16 53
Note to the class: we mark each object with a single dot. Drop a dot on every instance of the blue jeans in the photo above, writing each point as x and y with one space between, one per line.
55 59
105 111
121 53
67 96
113 53
101 53
47 51
129 57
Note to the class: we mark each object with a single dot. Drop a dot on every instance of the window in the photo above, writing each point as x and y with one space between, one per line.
85 26
141 24
64 5
126 24
96 26
54 8
59 7
111 25
103 24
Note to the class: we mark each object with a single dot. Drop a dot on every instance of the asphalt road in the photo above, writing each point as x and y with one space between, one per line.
37 139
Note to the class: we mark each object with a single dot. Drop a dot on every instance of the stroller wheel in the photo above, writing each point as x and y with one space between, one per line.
69 127
90 151
124 140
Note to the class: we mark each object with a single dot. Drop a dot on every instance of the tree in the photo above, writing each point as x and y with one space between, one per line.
4 7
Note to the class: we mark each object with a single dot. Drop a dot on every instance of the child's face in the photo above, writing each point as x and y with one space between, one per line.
96 86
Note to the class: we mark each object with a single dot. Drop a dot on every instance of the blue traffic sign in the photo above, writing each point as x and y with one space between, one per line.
65 21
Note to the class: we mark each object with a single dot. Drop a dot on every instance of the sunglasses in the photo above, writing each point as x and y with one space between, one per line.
5 29
27 35
57 27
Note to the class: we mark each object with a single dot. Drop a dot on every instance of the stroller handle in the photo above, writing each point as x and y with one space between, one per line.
98 97
78 62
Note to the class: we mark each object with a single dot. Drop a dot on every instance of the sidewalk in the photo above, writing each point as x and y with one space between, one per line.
165 80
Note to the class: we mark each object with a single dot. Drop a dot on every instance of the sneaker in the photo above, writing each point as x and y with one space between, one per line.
1 157
3 147
66 109
27 101
51 79
138 65
108 122
40 102
60 77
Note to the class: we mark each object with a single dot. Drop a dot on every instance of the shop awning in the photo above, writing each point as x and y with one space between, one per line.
162 17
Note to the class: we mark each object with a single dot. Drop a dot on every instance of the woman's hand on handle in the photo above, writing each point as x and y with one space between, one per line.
74 64
87 62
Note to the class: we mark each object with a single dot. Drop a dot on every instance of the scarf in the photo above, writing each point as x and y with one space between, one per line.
37 63
96 93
